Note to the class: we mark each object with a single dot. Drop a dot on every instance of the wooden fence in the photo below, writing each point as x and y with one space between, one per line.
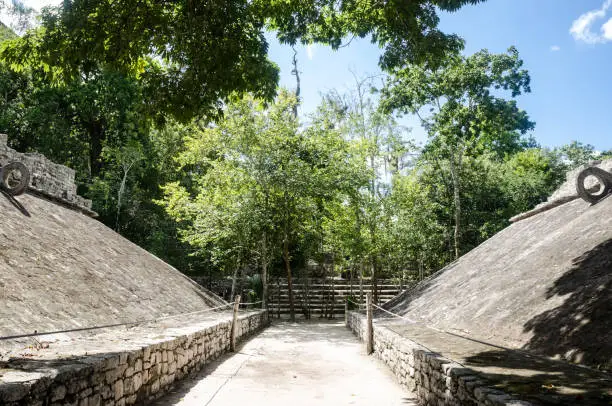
324 297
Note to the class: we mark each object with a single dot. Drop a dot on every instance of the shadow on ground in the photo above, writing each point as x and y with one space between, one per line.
580 330
16 203
547 382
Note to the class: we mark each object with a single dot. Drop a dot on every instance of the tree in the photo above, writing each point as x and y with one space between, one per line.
211 48
21 17
379 152
6 33
258 183
576 153
126 157
464 110
408 31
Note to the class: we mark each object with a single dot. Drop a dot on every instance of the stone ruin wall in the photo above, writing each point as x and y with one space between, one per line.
566 192
129 377
48 179
435 380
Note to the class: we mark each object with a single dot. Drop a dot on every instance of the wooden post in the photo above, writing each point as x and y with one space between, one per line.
234 323
369 336
278 302
346 310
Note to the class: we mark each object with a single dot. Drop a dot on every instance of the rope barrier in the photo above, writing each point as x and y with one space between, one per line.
134 323
514 350
250 303
393 314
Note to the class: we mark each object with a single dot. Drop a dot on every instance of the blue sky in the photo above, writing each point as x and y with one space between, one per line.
571 72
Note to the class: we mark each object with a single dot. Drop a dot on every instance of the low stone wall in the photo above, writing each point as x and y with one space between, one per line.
129 377
436 380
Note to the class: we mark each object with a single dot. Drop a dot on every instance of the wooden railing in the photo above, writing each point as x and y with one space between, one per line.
325 297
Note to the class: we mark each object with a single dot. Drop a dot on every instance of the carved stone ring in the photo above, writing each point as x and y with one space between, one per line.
595 193
14 178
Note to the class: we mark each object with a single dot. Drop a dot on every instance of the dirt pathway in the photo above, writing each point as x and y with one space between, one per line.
294 364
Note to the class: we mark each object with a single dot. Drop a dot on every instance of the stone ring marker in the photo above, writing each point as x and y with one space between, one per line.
594 193
14 178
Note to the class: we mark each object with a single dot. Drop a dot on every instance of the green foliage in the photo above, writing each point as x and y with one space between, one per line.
194 55
465 113
170 115
463 98
6 33
255 288
576 153
408 31
256 175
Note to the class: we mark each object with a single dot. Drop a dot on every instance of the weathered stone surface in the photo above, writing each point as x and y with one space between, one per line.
121 384
47 178
542 285
63 270
435 379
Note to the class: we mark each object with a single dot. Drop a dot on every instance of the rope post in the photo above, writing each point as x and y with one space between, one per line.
346 310
369 336
234 323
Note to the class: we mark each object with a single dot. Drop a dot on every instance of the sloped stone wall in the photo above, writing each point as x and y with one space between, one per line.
129 377
436 380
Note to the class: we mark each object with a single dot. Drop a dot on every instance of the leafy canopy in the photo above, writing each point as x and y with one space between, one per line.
463 101
195 53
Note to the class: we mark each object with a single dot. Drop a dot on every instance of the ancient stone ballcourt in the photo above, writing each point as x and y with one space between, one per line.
88 318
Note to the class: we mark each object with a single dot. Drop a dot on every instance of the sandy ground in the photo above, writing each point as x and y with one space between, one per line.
295 364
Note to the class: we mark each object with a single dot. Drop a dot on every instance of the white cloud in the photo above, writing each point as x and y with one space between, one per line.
310 50
581 28
555 48
607 30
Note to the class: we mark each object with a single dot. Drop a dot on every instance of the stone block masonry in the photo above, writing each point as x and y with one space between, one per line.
436 380
51 180
124 378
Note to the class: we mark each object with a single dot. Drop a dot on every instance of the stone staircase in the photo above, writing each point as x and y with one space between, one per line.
325 297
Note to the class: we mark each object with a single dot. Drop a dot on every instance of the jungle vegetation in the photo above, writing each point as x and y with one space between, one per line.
171 115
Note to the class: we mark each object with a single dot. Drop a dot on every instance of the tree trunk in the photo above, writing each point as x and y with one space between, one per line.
298 88
361 282
333 295
421 273
307 294
324 293
455 168
96 134
234 278
278 301
289 278
120 198
264 271
375 279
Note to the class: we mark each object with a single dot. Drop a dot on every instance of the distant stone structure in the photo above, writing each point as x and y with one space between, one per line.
48 179
565 193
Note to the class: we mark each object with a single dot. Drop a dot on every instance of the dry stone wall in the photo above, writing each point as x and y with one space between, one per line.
129 377
47 178
436 380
